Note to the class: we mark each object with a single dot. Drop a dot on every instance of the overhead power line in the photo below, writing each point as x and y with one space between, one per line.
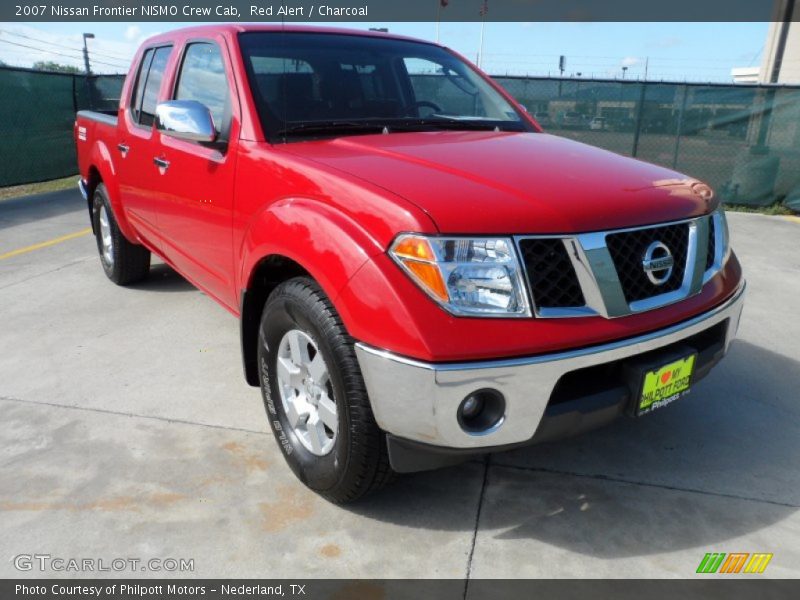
74 49
61 54
614 58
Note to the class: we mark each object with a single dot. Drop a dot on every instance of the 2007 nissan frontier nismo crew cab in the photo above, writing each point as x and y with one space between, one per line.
421 274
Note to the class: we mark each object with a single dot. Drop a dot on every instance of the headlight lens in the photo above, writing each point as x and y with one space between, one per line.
467 276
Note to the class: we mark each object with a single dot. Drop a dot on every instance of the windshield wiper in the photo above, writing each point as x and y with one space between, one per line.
334 127
446 123
322 127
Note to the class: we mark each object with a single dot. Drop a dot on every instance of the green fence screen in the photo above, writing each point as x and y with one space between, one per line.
744 140
38 110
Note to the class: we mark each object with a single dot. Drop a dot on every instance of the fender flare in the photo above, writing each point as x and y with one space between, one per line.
325 241
316 237
100 161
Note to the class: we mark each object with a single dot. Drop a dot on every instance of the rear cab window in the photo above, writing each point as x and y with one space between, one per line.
148 84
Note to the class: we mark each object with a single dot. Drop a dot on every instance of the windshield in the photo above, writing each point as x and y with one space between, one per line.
319 84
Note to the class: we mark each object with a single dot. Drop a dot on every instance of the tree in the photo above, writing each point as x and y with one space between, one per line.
50 65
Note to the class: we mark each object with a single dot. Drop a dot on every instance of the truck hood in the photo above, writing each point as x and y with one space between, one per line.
512 183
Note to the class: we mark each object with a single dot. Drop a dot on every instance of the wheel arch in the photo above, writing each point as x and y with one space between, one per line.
93 179
268 274
102 170
296 237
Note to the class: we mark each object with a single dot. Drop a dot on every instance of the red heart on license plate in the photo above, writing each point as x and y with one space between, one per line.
665 377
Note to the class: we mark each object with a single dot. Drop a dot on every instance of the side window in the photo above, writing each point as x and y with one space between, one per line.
152 85
138 89
202 78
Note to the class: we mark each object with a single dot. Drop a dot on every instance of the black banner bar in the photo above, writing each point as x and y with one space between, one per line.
707 587
386 11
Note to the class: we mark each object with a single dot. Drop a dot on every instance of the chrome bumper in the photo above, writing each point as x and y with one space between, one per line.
82 187
418 401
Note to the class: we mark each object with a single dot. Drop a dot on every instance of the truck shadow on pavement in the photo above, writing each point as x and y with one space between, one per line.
719 464
36 207
163 278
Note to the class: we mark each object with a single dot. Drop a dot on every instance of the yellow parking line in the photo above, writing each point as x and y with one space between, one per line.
53 242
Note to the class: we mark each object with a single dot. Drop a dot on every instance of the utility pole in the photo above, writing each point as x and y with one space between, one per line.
440 4
624 70
646 66
483 13
87 36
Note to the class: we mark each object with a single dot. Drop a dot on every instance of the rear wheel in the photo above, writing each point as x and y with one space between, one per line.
315 397
123 262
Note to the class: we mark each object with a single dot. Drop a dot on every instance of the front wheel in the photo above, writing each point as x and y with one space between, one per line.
123 262
315 397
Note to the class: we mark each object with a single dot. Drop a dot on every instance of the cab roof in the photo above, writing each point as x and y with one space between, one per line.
232 29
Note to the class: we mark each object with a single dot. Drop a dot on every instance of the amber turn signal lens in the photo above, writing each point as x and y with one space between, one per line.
429 276
416 248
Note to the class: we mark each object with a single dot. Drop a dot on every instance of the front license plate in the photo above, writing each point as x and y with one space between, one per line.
665 384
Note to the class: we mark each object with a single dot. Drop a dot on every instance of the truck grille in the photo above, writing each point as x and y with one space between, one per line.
613 281
550 273
627 250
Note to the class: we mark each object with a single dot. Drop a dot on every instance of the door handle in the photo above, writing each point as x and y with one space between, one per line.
161 163
123 149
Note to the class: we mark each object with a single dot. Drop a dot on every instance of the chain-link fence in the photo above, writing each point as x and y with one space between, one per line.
38 110
743 140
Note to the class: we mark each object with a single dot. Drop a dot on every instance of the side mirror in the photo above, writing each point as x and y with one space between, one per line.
186 120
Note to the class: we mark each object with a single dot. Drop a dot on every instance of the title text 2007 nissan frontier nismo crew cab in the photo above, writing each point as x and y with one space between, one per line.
421 274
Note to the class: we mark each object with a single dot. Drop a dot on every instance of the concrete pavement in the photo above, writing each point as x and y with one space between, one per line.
128 431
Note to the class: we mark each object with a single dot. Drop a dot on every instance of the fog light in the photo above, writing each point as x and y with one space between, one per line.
482 411
472 406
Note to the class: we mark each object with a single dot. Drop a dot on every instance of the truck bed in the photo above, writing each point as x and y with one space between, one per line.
92 129
108 117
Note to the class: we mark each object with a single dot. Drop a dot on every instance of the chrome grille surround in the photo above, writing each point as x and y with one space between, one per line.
599 279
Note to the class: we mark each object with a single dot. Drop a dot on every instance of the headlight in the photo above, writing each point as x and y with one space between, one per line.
478 277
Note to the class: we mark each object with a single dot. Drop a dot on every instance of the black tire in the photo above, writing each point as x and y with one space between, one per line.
129 262
358 462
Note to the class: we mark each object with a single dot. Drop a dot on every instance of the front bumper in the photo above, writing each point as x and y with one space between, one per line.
418 401
84 189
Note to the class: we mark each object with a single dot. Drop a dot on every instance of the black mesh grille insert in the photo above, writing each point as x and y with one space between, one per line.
627 250
712 244
553 280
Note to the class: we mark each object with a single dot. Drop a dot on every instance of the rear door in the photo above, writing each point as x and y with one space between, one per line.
195 200
135 147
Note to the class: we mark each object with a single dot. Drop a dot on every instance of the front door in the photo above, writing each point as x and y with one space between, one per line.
195 190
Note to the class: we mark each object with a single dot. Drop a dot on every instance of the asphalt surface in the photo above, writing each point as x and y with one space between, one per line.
128 431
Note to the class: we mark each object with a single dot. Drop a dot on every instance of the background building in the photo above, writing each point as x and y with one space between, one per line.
781 62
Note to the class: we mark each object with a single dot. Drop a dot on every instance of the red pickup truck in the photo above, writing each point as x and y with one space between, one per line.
421 274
